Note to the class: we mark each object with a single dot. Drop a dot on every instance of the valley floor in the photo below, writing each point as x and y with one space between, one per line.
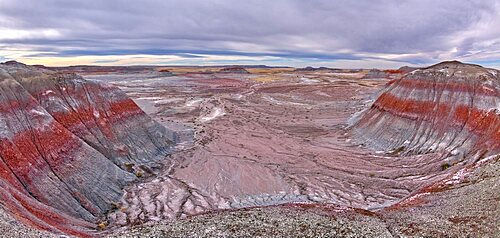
284 142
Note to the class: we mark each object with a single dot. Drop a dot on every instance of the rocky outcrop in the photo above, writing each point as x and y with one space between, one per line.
386 74
450 107
68 146
165 72
234 70
375 73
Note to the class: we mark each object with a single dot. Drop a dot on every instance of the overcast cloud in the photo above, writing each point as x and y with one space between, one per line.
370 33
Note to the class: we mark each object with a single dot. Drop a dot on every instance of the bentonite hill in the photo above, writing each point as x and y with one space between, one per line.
256 151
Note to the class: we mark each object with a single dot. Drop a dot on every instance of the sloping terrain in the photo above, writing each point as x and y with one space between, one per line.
418 158
449 107
68 147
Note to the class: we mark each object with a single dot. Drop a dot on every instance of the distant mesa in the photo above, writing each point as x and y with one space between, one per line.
13 63
234 70
450 108
93 69
384 74
311 69
165 72
375 73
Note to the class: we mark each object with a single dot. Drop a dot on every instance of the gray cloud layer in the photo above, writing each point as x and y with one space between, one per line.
419 31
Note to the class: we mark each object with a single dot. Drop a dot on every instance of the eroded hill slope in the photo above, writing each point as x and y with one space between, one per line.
449 107
68 147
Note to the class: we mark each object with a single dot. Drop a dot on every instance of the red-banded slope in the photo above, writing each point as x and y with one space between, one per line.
450 107
68 147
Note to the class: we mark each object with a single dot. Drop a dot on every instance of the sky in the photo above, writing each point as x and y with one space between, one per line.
299 33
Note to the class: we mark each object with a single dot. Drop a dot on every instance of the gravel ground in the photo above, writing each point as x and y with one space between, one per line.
470 209
265 222
10 228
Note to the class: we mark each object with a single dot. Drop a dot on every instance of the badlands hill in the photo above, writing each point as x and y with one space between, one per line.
68 146
449 107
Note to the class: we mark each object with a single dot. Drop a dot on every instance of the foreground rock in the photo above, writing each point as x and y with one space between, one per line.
291 220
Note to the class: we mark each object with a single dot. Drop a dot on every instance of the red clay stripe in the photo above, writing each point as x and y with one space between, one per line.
479 121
